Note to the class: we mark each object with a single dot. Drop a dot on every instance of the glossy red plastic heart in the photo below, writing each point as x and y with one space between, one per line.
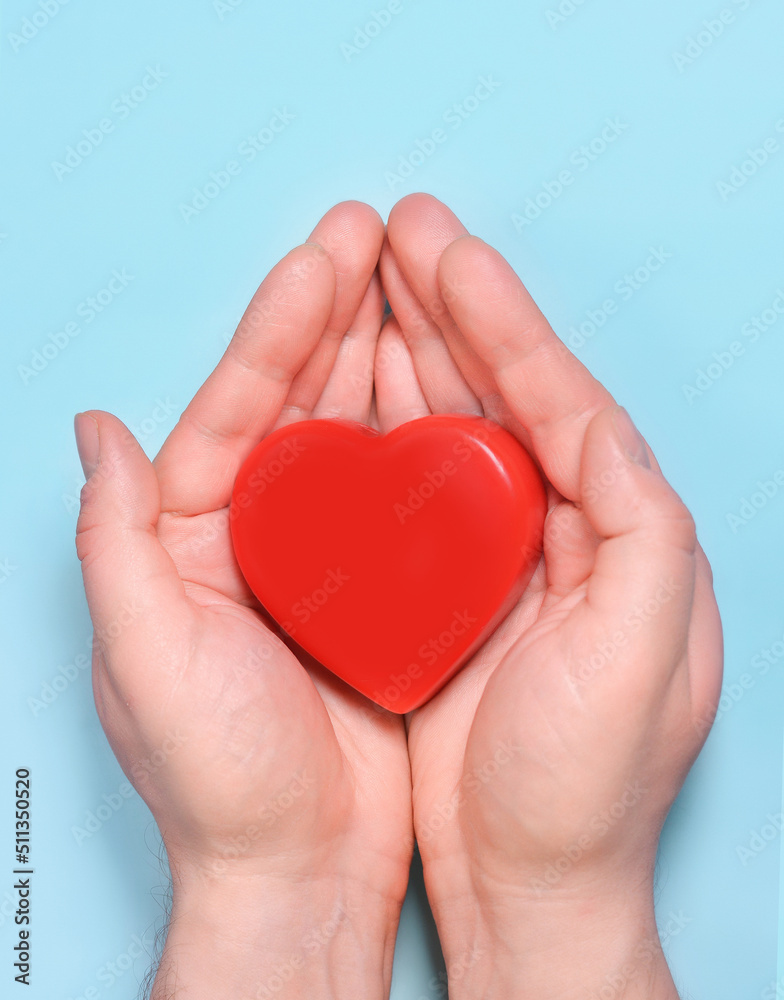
390 559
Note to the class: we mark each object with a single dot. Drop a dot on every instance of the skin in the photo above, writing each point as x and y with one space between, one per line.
285 805
540 776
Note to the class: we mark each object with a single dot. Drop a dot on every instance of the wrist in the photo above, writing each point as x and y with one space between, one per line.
503 943
277 937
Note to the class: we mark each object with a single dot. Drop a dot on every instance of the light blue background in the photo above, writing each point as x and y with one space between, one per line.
356 115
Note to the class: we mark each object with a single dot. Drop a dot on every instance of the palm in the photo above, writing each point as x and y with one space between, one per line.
539 645
450 734
246 692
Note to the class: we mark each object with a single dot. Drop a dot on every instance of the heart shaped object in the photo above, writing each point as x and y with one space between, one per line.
389 558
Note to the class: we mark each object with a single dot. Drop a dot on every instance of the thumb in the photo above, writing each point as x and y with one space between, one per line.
132 585
643 576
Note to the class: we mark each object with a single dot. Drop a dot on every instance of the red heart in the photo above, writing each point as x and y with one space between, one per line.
390 559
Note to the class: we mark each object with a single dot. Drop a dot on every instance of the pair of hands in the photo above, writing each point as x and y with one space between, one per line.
537 781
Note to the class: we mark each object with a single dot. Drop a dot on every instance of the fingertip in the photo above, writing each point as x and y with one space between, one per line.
424 212
416 201
87 441
100 438
361 212
349 223
621 491
311 251
612 448
307 270
469 256
118 472
628 437
458 263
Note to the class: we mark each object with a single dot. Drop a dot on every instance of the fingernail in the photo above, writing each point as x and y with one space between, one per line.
86 431
630 438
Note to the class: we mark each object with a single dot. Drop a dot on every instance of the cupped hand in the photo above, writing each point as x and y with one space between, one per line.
259 767
543 772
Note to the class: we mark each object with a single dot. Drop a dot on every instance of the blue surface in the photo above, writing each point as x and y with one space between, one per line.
687 101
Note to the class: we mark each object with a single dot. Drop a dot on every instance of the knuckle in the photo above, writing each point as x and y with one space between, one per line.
87 541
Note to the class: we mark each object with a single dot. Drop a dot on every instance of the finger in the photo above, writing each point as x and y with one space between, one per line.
420 229
399 396
352 234
547 389
706 649
132 586
239 402
349 388
570 545
444 387
643 576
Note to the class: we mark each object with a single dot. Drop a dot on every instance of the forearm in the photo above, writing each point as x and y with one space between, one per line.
287 941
